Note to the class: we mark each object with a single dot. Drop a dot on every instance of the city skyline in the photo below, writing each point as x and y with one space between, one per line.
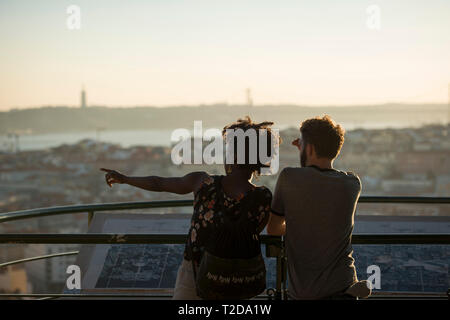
166 54
246 101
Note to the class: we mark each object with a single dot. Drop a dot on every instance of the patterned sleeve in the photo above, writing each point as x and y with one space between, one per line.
201 221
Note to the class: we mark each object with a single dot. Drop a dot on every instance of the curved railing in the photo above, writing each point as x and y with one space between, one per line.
91 208
47 256
274 245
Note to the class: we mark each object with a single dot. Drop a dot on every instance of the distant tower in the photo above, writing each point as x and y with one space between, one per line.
447 127
83 98
249 97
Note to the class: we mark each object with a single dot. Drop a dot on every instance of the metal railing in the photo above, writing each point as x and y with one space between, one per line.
47 256
92 208
274 244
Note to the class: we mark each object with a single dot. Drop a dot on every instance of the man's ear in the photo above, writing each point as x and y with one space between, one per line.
296 143
310 150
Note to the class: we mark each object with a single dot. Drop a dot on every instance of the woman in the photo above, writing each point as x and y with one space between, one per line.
216 196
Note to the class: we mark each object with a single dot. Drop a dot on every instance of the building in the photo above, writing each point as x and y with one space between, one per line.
83 98
13 279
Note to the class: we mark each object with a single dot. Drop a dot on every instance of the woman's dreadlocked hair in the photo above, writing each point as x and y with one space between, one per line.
245 125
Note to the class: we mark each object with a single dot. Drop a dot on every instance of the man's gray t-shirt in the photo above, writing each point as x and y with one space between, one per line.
319 207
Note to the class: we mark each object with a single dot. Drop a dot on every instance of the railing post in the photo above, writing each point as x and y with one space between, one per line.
90 217
283 262
276 250
278 294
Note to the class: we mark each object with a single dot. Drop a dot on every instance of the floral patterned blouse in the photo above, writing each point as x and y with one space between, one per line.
240 240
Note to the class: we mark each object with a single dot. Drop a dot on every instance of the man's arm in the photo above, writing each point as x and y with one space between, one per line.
263 223
179 185
276 225
277 222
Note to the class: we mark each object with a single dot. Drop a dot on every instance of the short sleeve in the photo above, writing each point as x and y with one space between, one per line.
358 180
277 200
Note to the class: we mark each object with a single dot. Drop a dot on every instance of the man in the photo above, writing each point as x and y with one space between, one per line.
314 206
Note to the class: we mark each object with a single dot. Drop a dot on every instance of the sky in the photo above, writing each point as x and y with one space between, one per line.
170 52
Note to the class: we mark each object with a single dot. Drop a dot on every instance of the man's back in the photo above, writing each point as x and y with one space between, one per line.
319 206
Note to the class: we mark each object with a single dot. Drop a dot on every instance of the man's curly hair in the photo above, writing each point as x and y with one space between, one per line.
324 134
247 124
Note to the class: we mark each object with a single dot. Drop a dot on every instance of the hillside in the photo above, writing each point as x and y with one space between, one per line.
65 119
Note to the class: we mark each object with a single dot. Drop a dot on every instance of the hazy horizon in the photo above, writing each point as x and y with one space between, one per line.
362 105
157 53
214 104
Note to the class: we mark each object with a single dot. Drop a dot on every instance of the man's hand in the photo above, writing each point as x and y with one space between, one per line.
113 176
276 225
